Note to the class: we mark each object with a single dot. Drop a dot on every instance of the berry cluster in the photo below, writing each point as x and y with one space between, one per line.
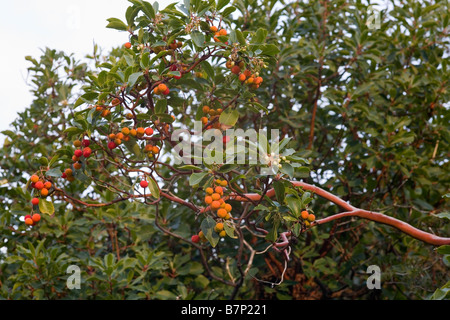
214 199
253 80
42 185
161 89
82 150
307 217
212 114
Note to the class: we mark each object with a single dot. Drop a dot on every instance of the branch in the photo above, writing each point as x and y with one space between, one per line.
355 212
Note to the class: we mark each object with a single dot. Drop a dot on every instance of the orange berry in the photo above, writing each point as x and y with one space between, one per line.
162 87
311 217
118 142
115 102
229 64
307 223
305 214
247 73
222 234
133 132
215 205
68 172
140 132
106 113
204 120
44 192
223 32
77 166
77 143
120 135
228 216
34 178
155 150
242 77
219 190
215 196
209 191
36 217
222 213
149 131
236 70
228 207
208 200
156 90
47 185
127 45
258 80
224 183
112 136
205 109
250 80
213 28
29 221
201 235
126 131
39 185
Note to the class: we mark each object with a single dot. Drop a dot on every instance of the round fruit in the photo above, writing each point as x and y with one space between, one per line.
201 235
242 77
39 185
166 92
47 185
36 217
213 28
34 178
144 184
311 217
87 152
127 45
155 149
35 201
215 205
78 153
86 143
222 234
205 109
222 213
126 131
215 196
236 70
224 183
44 192
209 190
162 87
133 132
228 207
219 190
112 145
68 172
219 226
29 221
222 32
208 200
195 238
305 214
77 143
149 131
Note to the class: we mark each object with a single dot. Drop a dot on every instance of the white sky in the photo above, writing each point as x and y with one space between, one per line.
26 26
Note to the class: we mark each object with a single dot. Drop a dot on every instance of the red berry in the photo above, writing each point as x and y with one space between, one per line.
144 184
112 145
78 153
195 238
27 217
39 185
64 175
87 152
36 217
127 45
35 201
166 92
149 131
86 143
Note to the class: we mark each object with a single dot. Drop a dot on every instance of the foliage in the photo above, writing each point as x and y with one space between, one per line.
362 112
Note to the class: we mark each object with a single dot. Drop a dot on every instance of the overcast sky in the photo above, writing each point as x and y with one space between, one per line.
26 26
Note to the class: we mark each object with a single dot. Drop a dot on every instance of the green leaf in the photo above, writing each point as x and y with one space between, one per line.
260 36
117 24
153 187
196 178
46 206
198 38
287 169
229 229
228 11
189 167
270 50
208 69
280 190
227 168
229 117
207 227
55 172
161 106
240 37
295 205
133 78
443 249
221 4
42 160
444 215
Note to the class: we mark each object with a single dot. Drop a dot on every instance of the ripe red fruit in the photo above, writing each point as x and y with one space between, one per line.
64 175
127 45
27 217
87 152
36 217
149 131
195 238
39 185
86 143
236 70
35 201
166 92
144 184
78 153
112 145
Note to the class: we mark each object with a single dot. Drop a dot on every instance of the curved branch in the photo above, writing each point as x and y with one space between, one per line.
355 212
